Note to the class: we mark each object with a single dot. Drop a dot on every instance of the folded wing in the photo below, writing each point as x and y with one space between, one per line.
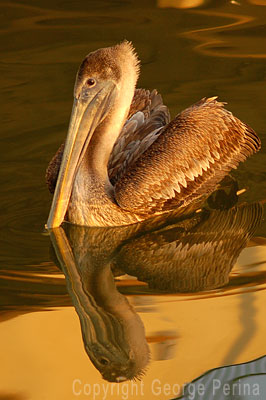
189 157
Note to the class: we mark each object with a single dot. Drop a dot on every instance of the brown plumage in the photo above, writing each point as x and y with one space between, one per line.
154 165
191 155
53 169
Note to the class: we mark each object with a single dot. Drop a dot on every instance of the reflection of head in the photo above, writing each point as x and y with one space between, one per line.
112 332
115 341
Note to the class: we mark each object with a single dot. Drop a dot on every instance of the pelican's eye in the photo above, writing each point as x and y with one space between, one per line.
91 82
104 361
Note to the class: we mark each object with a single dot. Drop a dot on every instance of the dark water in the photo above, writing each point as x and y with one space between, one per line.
215 48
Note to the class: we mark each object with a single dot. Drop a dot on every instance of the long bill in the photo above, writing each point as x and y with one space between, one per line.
87 113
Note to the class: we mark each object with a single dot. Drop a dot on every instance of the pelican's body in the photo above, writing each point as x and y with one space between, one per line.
124 162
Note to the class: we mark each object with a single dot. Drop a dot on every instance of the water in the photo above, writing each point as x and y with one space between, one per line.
216 48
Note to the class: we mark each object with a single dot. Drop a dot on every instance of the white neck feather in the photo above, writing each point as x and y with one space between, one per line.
103 141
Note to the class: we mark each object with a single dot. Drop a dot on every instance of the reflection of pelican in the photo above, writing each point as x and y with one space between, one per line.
189 254
124 162
195 254
113 333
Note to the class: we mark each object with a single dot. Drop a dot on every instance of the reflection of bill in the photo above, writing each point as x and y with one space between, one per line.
113 333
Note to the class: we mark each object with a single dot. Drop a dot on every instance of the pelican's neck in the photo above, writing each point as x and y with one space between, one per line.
106 134
92 200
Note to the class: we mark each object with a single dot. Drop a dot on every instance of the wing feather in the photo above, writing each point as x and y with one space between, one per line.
147 116
52 170
189 158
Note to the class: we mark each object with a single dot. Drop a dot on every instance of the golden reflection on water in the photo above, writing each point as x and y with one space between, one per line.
39 18
258 2
187 333
48 353
214 43
180 3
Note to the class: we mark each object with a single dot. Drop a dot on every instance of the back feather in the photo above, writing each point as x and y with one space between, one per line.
147 116
190 157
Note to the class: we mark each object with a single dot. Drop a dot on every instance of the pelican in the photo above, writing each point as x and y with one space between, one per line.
124 161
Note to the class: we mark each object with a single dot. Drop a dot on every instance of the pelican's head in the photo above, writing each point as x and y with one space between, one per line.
105 85
105 68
